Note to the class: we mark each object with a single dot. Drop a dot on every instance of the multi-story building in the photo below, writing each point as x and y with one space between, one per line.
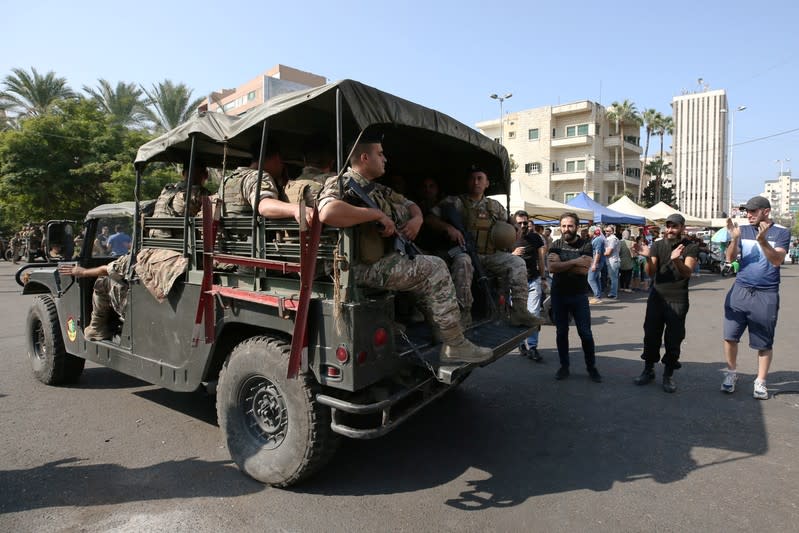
699 152
277 80
783 193
566 149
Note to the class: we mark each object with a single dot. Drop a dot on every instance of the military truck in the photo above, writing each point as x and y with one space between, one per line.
299 355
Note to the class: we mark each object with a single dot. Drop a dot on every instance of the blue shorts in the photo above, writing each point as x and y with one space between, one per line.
756 309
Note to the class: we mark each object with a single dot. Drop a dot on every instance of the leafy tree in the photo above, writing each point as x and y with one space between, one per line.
651 118
124 102
61 164
659 189
34 93
621 113
169 105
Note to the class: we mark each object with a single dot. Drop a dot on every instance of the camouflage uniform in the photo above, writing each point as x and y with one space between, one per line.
110 296
172 203
508 268
240 189
425 276
308 184
16 244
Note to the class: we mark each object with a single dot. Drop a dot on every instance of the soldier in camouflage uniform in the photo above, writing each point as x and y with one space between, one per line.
479 215
319 156
16 244
240 189
425 276
172 200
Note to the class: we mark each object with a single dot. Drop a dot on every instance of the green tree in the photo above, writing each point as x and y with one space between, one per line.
61 164
33 93
124 102
650 118
169 105
621 113
659 189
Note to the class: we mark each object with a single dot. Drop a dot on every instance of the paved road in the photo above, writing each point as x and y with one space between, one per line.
512 450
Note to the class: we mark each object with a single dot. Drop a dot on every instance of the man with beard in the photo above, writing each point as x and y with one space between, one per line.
669 262
570 257
754 299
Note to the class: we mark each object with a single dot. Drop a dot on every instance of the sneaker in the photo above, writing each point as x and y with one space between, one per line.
730 377
533 354
760 392
594 300
523 350
562 373
668 384
594 375
611 297
647 376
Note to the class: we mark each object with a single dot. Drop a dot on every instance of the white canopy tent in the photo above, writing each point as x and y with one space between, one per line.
663 210
538 206
628 207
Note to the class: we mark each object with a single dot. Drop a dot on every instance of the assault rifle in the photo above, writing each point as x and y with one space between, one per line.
455 219
401 245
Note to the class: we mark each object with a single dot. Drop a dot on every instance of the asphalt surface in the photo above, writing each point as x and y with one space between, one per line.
511 450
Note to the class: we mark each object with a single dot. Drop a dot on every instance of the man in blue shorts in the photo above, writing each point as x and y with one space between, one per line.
754 299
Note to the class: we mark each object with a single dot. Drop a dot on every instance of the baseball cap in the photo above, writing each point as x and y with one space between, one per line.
675 218
757 202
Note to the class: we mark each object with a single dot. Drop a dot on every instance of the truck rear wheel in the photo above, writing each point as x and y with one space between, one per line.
9 254
276 431
51 363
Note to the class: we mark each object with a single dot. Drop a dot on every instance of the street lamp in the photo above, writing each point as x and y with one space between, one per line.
731 116
501 121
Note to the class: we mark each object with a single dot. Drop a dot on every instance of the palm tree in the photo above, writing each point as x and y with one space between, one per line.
169 105
34 93
664 127
651 118
621 113
124 103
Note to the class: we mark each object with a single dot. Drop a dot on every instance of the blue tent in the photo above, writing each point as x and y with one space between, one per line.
602 214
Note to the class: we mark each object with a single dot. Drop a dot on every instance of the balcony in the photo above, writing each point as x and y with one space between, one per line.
562 175
614 141
570 109
576 140
614 175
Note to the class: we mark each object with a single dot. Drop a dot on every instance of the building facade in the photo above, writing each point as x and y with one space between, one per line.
700 153
562 150
277 80
783 193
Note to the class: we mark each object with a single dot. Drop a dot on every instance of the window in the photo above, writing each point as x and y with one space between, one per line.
571 131
532 168
511 135
532 135
582 129
250 96
569 196
575 165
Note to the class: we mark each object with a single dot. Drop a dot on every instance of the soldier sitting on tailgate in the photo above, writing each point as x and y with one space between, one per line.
483 219
172 200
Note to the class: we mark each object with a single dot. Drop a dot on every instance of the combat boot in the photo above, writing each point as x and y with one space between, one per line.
463 351
519 316
98 329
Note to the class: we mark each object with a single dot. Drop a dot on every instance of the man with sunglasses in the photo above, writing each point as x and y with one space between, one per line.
670 263
754 299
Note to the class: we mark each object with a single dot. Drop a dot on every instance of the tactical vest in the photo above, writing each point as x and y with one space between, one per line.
302 188
235 202
163 206
478 223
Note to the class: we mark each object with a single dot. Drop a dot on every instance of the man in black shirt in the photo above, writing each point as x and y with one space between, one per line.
530 247
669 262
570 257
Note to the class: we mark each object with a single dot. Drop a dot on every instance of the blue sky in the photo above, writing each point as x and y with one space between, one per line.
449 55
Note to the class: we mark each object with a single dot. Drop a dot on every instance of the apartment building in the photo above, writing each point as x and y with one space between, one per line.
783 193
277 80
700 153
566 149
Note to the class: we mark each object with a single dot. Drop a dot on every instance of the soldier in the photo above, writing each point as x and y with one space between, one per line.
319 157
425 276
480 215
172 200
16 244
240 189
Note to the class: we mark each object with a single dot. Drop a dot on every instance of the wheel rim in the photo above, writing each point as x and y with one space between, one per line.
264 411
37 338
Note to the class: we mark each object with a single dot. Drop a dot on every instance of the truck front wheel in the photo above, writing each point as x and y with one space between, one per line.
276 431
51 363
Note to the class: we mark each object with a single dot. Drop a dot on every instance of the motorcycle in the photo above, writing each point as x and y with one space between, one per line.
730 268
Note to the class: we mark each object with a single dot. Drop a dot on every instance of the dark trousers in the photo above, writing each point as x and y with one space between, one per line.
663 315
576 306
625 277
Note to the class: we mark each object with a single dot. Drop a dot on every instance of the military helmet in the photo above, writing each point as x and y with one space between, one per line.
503 235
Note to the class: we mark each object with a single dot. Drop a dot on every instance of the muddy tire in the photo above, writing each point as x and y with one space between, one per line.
51 363
276 431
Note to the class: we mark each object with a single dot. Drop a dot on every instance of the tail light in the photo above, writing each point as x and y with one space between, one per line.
342 354
380 337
